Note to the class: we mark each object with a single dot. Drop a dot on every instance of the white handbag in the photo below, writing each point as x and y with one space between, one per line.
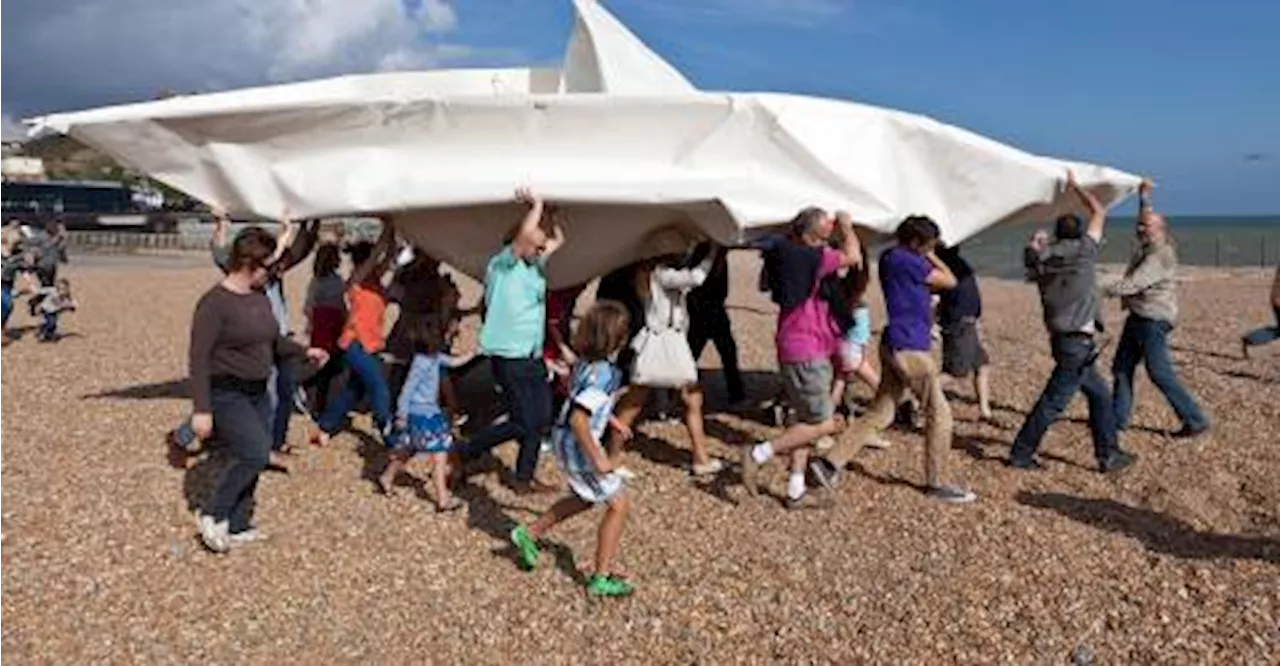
663 358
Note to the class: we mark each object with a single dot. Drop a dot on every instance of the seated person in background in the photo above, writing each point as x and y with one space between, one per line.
53 302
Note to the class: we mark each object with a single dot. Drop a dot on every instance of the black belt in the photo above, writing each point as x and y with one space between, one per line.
253 387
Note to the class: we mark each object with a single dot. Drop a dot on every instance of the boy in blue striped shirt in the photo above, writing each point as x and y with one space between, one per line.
583 420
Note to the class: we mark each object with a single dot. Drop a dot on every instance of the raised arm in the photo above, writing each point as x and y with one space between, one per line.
533 217
1097 212
304 241
1144 198
378 260
686 278
288 230
851 250
219 243
555 241
940 277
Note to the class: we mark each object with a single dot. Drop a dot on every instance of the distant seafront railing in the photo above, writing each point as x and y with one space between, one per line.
191 236
1217 242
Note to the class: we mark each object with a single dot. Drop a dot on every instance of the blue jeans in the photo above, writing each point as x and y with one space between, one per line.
1147 341
48 329
1074 356
1262 336
368 380
527 396
280 389
8 303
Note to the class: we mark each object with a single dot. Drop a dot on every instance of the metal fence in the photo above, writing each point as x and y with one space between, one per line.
189 237
1001 255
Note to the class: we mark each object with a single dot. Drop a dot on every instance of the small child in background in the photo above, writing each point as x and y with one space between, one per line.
53 302
596 381
854 361
423 427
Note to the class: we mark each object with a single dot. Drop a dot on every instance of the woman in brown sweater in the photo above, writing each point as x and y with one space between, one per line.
235 340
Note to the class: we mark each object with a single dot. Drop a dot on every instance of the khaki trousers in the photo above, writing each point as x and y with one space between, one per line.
903 370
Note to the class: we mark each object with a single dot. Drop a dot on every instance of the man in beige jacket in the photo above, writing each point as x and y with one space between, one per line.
1148 291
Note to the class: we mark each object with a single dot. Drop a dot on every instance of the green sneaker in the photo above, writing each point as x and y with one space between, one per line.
609 586
526 547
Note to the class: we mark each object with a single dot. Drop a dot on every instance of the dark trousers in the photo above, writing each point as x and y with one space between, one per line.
1264 335
325 384
527 398
1075 357
49 326
241 425
712 325
8 303
1147 341
286 385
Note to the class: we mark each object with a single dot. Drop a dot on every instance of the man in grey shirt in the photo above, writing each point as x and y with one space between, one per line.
1147 291
1065 271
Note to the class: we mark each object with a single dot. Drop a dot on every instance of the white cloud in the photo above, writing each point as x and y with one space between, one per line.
67 54
11 129
438 15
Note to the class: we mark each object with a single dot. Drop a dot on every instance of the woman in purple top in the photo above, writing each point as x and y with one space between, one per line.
909 274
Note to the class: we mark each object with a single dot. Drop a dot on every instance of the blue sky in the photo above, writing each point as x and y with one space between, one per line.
1184 91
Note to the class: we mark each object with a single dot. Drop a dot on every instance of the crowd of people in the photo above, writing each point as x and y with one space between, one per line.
31 260
579 390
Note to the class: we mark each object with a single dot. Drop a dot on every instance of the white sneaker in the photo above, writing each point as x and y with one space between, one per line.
215 534
714 466
825 443
251 535
878 442
625 473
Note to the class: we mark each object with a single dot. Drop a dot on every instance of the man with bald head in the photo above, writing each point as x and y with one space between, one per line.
1149 292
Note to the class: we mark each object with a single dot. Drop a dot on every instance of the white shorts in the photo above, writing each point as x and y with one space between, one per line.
851 354
596 488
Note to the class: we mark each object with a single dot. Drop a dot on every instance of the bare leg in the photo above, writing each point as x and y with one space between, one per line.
803 434
440 478
982 387
693 399
609 537
868 374
558 513
837 390
395 465
627 411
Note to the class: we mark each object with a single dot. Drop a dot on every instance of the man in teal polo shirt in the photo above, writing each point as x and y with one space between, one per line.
515 288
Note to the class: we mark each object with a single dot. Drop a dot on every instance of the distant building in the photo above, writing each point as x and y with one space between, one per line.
19 167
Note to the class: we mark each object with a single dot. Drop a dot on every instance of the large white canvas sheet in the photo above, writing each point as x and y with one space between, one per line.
617 136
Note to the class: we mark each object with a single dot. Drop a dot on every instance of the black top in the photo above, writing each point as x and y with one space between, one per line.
791 269
963 301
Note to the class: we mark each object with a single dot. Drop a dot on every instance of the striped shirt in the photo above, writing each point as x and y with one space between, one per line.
592 388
